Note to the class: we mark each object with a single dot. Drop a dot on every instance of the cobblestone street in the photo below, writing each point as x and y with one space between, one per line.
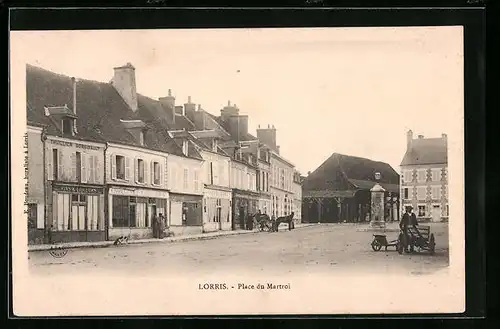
323 248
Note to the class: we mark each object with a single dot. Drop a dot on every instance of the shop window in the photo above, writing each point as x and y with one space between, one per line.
120 167
32 215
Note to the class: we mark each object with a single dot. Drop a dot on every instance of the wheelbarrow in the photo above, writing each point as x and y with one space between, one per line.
380 240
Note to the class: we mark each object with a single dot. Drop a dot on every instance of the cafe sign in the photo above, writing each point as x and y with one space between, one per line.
78 189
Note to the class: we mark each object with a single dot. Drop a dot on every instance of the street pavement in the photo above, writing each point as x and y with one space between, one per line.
320 248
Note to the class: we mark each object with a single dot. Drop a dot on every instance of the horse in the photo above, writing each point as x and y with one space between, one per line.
285 219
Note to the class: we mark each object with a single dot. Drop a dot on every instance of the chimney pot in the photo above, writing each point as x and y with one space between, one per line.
258 126
228 103
199 107
444 136
170 92
420 136
189 99
268 126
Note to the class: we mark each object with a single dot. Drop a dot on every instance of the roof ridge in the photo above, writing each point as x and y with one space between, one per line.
62 75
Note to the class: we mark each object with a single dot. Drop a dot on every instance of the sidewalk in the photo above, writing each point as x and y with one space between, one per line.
101 244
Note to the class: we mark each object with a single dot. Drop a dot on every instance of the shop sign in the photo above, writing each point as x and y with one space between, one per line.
78 189
139 193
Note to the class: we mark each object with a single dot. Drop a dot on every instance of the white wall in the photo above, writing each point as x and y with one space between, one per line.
131 155
92 160
185 175
220 167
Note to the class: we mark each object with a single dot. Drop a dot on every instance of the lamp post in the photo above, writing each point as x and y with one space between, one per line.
377 204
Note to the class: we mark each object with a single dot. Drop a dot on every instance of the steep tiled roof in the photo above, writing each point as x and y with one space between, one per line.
99 104
344 172
426 151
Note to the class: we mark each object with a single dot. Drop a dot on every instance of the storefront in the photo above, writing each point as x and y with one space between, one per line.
265 203
77 213
185 214
131 211
245 204
217 209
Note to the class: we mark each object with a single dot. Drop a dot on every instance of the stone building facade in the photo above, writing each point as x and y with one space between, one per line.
424 177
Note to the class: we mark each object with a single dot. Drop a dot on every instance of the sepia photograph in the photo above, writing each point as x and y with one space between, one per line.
238 171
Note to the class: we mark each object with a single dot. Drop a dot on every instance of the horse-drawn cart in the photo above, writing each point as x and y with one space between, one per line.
417 237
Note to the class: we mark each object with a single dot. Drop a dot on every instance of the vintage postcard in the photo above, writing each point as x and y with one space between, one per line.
238 171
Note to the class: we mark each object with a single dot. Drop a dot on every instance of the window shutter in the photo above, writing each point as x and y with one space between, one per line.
211 173
165 175
113 166
84 170
73 166
90 168
152 172
136 171
96 169
160 168
146 172
50 173
127 168
60 166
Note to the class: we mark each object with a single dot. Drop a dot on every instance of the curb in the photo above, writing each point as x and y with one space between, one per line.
105 244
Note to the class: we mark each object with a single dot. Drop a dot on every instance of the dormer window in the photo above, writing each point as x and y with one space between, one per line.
67 126
141 138
185 147
214 145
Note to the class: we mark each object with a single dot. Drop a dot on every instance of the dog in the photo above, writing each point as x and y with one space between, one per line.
121 240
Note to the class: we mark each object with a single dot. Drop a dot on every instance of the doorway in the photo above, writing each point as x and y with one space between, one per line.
242 218
436 213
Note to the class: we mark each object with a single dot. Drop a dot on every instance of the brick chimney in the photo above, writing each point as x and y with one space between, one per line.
200 119
179 109
168 104
409 139
73 81
268 136
124 83
228 111
189 109
238 126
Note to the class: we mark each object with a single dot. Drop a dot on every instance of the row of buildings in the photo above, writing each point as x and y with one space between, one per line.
104 159
339 189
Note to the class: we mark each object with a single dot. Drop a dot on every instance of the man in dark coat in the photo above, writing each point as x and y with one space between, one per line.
409 220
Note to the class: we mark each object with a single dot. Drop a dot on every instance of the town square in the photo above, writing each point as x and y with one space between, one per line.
278 161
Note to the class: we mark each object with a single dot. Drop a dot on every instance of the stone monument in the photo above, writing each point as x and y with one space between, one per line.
377 219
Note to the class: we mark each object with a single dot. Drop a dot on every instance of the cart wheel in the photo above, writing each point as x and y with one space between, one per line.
400 247
432 244
376 245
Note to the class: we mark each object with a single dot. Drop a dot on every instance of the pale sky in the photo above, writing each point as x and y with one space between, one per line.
354 91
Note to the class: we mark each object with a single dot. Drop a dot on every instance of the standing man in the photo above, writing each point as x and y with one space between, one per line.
161 226
155 226
403 225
